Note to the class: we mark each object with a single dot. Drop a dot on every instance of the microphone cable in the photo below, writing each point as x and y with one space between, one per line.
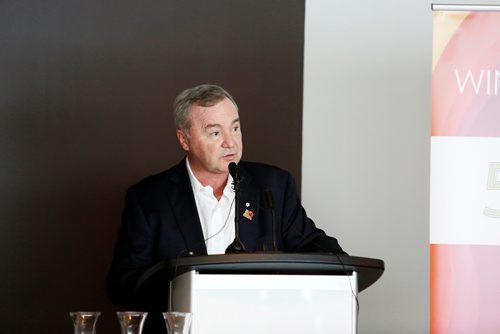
185 251
337 256
269 200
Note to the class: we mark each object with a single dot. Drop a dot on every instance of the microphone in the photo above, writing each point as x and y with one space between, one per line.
233 170
269 200
236 246
268 196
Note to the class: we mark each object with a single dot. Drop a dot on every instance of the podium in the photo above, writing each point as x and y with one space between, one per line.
262 293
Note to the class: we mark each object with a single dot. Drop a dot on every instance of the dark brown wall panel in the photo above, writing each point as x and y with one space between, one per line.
85 96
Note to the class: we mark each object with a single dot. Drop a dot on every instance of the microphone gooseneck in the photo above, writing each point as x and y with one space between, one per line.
236 246
269 200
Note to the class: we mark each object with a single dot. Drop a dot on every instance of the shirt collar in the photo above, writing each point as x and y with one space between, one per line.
198 187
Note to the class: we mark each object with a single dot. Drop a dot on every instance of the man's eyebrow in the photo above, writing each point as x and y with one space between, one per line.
216 125
210 126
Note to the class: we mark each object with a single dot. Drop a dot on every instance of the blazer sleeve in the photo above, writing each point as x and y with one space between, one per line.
133 256
298 231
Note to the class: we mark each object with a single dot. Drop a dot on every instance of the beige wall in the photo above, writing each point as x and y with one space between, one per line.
366 146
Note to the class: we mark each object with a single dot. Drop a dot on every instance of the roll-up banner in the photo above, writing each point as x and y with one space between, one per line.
465 170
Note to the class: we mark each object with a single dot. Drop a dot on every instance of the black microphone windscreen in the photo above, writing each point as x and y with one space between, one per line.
233 170
268 195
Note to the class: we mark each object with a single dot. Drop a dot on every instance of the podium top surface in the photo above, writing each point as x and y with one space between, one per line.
369 270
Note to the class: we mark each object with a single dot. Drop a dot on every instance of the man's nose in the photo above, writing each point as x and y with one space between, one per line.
228 140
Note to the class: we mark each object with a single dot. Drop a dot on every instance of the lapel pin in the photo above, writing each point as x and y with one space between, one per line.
248 214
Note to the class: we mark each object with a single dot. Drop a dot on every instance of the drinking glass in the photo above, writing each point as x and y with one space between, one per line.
178 322
131 322
84 322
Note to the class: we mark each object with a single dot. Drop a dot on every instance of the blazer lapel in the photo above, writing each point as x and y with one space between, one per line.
248 212
186 213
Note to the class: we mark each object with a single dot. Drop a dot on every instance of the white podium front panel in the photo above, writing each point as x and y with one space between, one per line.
229 304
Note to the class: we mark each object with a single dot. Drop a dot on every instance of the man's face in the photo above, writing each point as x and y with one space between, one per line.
214 138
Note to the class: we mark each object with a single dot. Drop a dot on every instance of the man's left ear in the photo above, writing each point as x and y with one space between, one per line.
183 141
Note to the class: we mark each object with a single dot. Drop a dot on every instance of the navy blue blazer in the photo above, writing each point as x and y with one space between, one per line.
160 221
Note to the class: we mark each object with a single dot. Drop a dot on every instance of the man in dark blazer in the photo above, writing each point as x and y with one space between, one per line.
165 216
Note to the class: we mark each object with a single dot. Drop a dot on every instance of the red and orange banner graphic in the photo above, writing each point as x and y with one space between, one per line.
465 173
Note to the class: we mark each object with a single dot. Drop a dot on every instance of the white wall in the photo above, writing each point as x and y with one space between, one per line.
366 146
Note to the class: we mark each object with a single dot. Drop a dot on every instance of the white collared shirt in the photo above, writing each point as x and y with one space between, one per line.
216 216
